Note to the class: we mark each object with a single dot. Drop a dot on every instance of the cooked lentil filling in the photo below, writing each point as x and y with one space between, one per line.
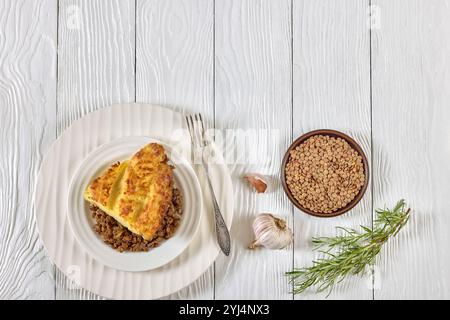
120 238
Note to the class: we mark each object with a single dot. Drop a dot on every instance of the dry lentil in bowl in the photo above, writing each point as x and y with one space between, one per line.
324 174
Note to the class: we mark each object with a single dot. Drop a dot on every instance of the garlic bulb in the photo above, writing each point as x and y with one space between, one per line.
257 181
271 232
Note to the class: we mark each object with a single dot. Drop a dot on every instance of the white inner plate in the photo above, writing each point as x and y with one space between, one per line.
81 222
59 166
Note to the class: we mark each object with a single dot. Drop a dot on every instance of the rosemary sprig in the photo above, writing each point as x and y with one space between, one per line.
349 253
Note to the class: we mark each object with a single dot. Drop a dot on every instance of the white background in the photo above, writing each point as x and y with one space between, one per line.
289 65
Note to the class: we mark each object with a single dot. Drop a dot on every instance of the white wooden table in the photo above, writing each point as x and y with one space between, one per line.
288 65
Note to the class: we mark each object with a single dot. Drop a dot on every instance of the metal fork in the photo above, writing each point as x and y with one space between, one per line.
197 132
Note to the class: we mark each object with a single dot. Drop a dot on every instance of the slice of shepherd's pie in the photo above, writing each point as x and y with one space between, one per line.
137 193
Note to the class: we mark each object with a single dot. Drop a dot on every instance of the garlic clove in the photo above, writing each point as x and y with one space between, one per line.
271 232
257 181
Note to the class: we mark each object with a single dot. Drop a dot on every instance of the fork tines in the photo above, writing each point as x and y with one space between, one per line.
196 129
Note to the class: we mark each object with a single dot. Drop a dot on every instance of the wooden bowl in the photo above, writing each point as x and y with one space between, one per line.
353 144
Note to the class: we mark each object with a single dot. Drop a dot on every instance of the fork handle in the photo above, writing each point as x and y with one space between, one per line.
223 236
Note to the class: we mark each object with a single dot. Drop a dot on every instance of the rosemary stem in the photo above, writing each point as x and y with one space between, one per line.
351 253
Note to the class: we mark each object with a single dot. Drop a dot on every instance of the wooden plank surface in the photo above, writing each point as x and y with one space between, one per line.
411 117
253 92
331 86
95 69
174 68
27 128
244 65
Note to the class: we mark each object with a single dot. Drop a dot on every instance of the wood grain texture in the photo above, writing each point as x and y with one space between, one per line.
95 69
253 94
27 117
241 57
411 90
174 68
331 90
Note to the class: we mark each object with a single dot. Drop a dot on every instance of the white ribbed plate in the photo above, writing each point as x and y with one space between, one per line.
51 193
81 222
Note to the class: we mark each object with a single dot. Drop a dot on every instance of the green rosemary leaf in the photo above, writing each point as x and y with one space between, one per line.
349 253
